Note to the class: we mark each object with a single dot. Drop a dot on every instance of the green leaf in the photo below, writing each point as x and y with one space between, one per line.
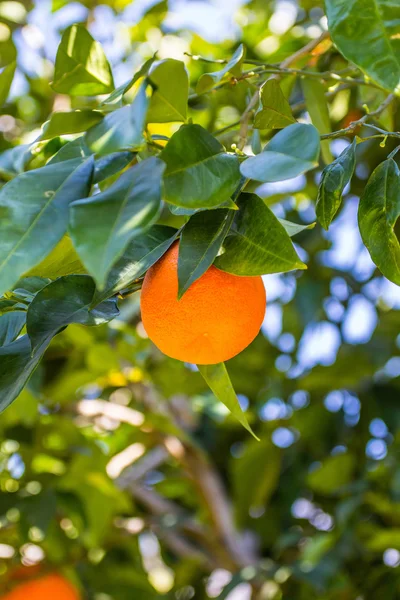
81 67
34 214
13 160
378 212
294 228
121 129
62 260
217 379
317 107
334 473
209 80
359 31
275 112
17 363
170 81
102 226
6 79
11 325
63 302
199 173
201 240
258 243
142 252
64 123
251 490
292 151
334 179
115 99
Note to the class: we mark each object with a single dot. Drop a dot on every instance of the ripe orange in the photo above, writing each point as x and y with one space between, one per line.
216 318
49 587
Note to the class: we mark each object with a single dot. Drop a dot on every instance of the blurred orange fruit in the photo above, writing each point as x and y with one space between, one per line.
49 587
216 318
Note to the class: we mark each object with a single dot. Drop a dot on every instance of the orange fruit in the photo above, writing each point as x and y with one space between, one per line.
49 587
216 318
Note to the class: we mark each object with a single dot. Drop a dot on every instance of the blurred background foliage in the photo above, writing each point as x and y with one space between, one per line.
117 466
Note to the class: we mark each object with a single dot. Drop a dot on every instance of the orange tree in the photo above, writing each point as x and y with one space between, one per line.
121 467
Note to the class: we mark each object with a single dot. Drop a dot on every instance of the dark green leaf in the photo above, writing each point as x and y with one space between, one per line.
217 379
13 161
63 302
81 66
209 80
103 225
6 78
121 129
292 151
199 173
275 112
17 363
358 29
11 325
258 243
63 123
34 214
171 90
317 106
334 179
142 252
251 490
335 472
201 240
378 212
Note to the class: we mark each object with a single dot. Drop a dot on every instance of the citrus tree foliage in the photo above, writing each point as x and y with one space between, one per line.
119 466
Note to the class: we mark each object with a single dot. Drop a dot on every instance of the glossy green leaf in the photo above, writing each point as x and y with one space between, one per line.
258 243
292 151
11 325
170 82
6 79
34 214
121 129
102 226
378 212
359 31
275 112
116 98
13 160
63 302
17 363
209 80
295 228
199 173
81 67
334 179
64 123
62 260
317 107
142 252
201 240
217 379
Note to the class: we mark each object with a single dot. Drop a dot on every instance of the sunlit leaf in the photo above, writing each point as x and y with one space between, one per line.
63 123
275 112
317 107
81 67
199 173
209 80
292 151
378 212
171 89
6 79
258 243
217 378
